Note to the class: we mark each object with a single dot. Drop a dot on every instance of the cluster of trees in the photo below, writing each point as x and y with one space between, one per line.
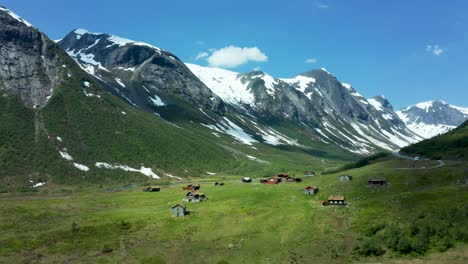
435 231
451 145
359 163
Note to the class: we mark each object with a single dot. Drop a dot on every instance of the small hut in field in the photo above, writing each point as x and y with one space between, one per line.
178 210
152 189
311 190
376 182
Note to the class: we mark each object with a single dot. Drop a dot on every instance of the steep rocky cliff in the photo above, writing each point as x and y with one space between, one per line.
30 64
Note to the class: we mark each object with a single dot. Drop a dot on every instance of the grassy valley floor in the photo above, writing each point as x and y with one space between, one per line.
420 216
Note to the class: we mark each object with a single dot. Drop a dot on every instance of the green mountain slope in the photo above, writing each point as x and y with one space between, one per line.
451 145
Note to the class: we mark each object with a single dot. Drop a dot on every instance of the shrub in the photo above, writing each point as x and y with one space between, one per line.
370 247
404 245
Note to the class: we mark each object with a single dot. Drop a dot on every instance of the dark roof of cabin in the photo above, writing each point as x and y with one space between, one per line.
378 179
178 205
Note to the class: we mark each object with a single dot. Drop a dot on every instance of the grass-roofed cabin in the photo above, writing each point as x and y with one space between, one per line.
195 197
334 200
376 182
311 190
178 210
152 189
309 173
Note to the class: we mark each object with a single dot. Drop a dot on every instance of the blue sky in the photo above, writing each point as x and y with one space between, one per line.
409 51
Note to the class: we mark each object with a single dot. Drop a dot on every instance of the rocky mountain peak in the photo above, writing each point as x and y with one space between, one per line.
30 63
138 71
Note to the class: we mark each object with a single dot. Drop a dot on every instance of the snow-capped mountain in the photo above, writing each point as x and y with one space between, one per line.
331 111
432 118
144 75
321 107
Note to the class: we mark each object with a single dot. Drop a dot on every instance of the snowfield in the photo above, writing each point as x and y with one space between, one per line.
143 170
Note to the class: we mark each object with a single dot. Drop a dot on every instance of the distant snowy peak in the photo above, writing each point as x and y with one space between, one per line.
316 100
15 16
431 118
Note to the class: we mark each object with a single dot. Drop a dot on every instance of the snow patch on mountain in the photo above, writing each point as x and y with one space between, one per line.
143 170
300 82
120 82
376 104
224 83
81 166
156 100
39 184
270 83
64 154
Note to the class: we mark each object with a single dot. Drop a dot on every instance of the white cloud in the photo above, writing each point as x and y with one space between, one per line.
232 56
311 60
320 5
199 42
257 69
201 55
434 49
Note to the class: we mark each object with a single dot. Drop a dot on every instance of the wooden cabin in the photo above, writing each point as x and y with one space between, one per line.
219 184
191 187
335 200
311 190
309 173
178 210
152 189
345 178
246 179
377 182
270 181
195 197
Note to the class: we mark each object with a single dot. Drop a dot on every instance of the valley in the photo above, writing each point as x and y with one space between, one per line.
239 221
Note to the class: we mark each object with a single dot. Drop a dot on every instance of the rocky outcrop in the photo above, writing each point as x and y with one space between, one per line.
30 65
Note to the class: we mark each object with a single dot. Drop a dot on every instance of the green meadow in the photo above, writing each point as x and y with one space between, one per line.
420 216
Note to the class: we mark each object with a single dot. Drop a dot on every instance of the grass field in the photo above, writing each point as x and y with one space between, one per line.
248 223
